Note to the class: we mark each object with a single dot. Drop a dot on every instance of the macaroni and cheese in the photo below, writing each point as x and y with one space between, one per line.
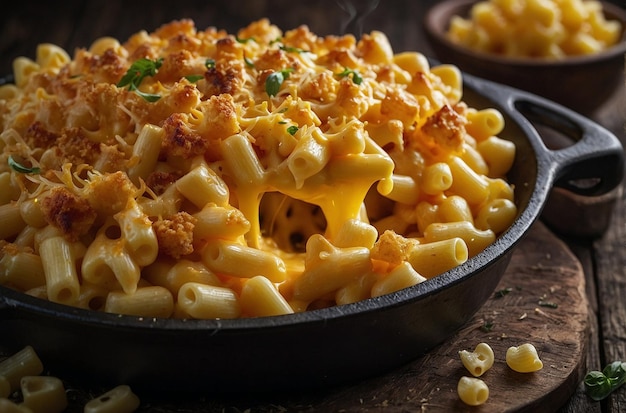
552 29
200 174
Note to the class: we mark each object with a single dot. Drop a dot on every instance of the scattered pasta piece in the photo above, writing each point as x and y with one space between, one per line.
24 363
523 359
43 394
472 391
7 406
120 399
46 394
478 361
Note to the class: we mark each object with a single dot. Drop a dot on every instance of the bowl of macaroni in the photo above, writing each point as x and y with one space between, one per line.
570 51
212 212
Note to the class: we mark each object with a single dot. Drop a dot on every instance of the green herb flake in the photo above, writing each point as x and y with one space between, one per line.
292 130
275 80
549 304
487 327
356 77
17 167
194 78
139 70
249 62
149 97
501 293
209 63
244 40
290 49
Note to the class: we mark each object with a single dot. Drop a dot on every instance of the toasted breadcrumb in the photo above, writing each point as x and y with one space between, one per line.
109 194
392 248
68 212
175 234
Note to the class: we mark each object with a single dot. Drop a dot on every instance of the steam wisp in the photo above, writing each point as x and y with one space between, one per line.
357 11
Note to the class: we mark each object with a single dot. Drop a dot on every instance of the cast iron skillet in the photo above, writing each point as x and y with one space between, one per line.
332 345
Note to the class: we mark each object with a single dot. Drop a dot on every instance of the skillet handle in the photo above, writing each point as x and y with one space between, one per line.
582 179
594 164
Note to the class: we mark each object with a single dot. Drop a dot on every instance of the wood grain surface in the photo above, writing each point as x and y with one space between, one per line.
603 259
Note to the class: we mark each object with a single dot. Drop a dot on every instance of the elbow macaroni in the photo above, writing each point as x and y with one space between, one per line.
549 29
524 358
472 391
480 360
260 178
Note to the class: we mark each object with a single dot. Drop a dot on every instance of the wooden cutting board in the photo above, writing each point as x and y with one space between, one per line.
546 305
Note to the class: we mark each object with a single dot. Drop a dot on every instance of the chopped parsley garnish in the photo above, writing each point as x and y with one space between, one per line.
501 293
356 77
209 63
487 326
249 62
550 304
292 130
139 70
244 40
150 97
194 78
290 49
275 80
17 167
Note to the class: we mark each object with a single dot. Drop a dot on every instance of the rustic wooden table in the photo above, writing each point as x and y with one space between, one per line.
76 23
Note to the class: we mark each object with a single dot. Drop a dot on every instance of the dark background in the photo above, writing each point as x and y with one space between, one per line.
77 23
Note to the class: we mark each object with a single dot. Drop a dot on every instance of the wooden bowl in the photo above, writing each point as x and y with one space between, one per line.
582 83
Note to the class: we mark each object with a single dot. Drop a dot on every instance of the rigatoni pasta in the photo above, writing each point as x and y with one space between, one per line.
21 374
24 363
43 394
202 174
151 301
119 399
9 406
